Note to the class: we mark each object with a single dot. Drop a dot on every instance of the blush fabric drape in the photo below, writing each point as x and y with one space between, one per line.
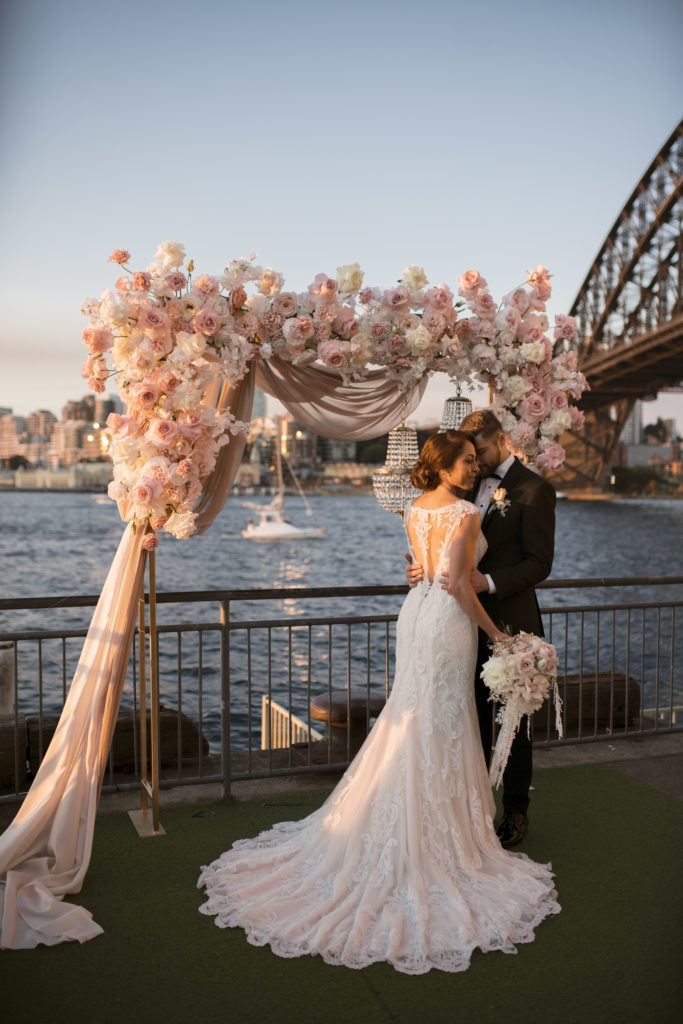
45 851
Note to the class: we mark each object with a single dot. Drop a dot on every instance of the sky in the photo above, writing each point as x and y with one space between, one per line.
444 134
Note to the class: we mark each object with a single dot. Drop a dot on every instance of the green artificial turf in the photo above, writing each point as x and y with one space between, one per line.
612 955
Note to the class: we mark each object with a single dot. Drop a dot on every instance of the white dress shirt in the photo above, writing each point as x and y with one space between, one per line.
487 485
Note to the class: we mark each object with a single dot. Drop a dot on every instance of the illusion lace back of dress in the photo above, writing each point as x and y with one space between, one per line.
401 863
430 534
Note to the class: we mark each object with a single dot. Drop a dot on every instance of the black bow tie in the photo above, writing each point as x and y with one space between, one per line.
494 476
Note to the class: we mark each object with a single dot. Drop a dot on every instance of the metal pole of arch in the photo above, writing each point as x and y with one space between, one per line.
146 823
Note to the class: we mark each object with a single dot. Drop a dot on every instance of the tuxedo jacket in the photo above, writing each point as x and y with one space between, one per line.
520 549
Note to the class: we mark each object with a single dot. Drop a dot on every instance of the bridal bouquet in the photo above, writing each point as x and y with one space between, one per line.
521 673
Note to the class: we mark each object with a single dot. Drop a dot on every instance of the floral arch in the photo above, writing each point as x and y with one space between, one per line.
349 362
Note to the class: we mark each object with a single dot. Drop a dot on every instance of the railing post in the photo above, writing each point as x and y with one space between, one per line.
225 697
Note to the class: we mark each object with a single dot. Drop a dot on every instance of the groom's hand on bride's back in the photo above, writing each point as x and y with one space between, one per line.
414 571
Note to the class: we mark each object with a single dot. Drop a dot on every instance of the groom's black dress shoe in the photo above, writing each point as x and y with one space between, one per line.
512 829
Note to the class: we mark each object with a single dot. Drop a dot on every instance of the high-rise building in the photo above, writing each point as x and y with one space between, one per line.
633 428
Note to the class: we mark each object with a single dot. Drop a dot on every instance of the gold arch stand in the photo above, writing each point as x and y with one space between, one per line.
146 819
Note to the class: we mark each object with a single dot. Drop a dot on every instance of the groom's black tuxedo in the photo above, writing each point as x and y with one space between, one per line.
519 555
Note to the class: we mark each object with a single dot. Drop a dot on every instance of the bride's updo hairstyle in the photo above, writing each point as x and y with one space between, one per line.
438 452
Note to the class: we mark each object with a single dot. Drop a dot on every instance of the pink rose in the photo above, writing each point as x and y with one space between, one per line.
144 395
519 300
565 326
175 281
285 304
122 284
150 542
324 287
378 330
119 256
435 324
158 522
190 424
345 323
558 399
145 491
160 341
365 295
161 432
185 468
206 321
120 426
538 297
152 318
529 332
397 300
534 408
141 280
237 300
205 286
484 306
438 299
88 368
470 283
96 385
332 354
98 339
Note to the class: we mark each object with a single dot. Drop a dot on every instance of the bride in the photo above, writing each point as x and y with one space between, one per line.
401 863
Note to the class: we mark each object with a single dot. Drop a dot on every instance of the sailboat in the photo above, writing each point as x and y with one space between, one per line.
272 524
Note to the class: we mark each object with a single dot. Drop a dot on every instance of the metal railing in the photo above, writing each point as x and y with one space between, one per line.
619 676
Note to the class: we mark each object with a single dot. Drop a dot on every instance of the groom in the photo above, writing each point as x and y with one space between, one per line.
519 526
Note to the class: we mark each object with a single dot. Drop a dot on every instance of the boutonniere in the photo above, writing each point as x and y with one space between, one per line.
500 500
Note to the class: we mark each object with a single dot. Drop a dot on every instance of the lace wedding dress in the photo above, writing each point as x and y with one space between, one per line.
401 864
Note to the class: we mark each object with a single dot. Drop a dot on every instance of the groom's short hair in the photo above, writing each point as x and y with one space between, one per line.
482 422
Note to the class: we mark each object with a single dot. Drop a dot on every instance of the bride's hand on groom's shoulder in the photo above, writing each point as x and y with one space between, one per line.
414 571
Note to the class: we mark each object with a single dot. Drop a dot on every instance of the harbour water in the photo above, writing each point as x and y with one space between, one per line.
62 545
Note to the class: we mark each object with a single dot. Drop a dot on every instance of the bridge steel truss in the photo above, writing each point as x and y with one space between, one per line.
629 311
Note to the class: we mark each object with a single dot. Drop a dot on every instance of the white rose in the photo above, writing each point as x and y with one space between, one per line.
533 351
349 278
258 304
181 524
419 339
171 254
193 344
516 388
556 424
493 673
414 278
220 305
112 309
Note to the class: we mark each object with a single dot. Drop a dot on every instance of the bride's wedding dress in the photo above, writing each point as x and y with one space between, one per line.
401 863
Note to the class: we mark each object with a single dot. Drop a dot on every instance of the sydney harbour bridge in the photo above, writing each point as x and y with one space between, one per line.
629 311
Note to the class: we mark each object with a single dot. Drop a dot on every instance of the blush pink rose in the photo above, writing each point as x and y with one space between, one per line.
484 306
152 318
141 280
577 417
285 304
190 424
345 322
470 283
98 339
438 300
119 256
435 324
206 321
88 368
378 330
534 408
161 432
150 542
237 300
565 326
529 332
332 355
122 284
558 399
144 395
364 296
538 297
185 468
96 385
397 300
158 522
120 426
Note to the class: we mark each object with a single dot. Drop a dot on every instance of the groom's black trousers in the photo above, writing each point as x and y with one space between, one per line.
517 776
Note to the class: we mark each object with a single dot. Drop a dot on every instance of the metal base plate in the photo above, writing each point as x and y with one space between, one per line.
142 820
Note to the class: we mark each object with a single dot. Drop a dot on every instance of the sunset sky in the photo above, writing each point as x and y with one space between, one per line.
449 135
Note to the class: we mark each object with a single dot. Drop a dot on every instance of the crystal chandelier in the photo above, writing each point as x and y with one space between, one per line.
454 411
391 484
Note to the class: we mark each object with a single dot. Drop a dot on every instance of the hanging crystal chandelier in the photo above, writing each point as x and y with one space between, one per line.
391 484
454 410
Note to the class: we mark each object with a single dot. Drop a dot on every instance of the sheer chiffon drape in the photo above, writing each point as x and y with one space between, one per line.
45 851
